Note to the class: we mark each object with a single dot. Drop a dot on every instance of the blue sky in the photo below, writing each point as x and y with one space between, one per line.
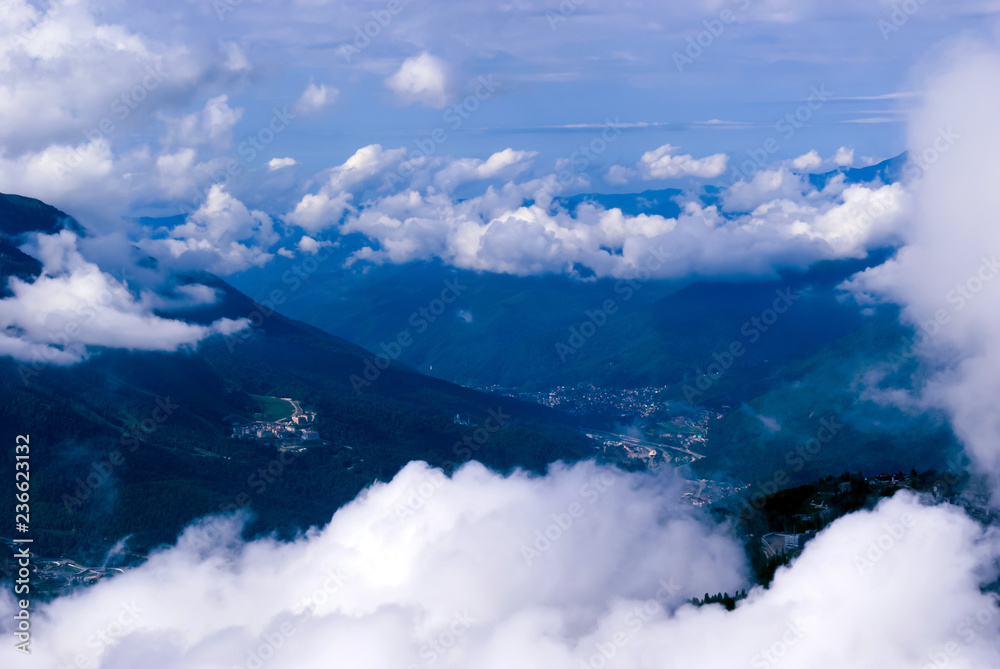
426 135
602 60
556 65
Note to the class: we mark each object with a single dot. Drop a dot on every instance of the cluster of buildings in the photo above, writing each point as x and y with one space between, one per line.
687 431
295 430
275 430
587 399
777 544
705 492
629 449
666 435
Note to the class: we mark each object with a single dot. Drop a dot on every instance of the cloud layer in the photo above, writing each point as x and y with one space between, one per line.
947 276
401 202
74 307
583 567
223 236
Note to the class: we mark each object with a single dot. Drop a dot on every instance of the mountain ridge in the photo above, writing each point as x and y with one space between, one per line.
137 444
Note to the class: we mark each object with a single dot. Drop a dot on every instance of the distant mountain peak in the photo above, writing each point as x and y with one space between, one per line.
888 171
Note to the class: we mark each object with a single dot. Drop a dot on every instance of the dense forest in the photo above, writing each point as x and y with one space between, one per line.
806 510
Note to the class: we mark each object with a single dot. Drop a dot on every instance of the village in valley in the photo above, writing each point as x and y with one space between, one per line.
645 431
281 420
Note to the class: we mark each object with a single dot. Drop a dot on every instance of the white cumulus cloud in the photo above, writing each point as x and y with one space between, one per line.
312 246
212 125
63 72
73 308
665 163
222 236
844 157
505 164
808 161
422 79
404 207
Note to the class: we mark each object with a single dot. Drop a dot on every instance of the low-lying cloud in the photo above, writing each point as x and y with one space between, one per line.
223 236
584 567
403 206
74 307
947 276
